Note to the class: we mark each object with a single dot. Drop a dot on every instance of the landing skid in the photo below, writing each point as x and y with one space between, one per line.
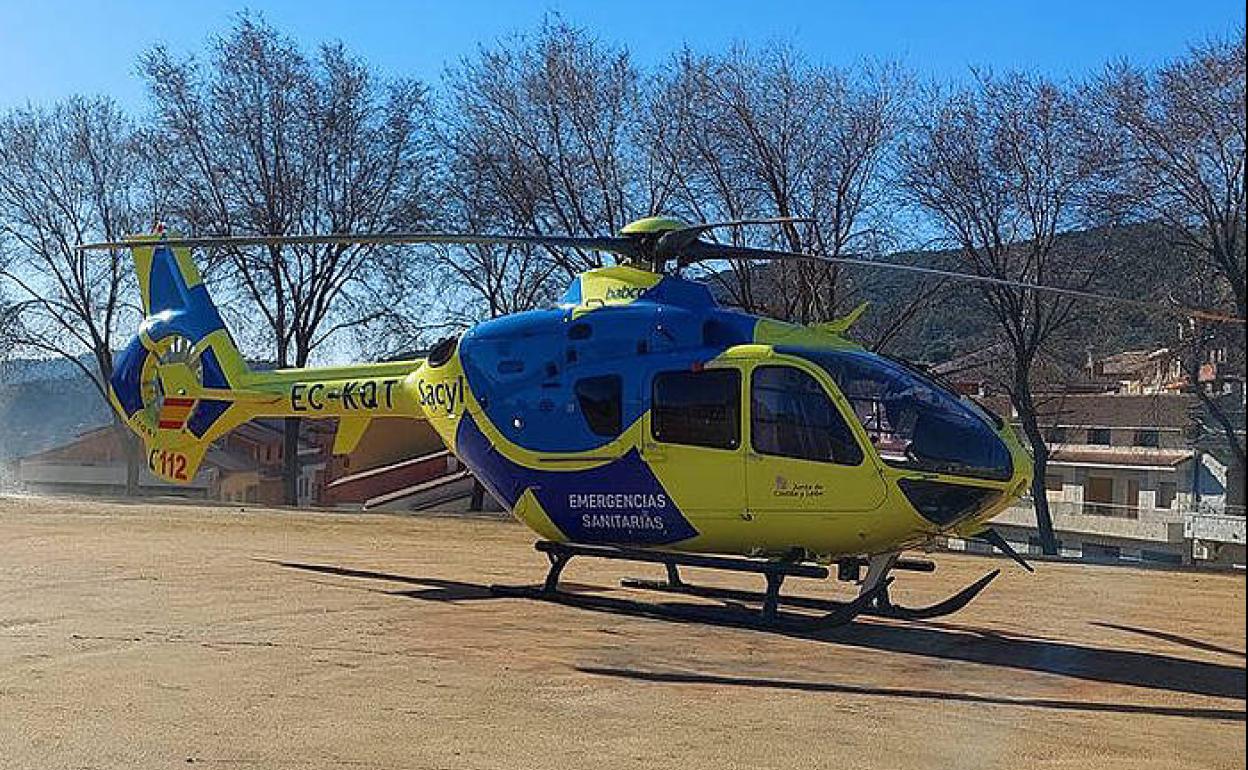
881 605
872 599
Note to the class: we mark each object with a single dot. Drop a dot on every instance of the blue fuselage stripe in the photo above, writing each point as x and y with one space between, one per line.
619 502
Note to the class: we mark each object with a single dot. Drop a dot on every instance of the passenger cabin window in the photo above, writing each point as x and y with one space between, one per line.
601 402
792 416
697 408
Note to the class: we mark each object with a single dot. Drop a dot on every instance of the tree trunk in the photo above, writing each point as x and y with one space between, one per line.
1040 453
1040 499
1235 487
290 461
477 502
134 452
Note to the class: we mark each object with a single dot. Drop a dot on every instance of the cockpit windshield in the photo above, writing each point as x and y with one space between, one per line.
914 422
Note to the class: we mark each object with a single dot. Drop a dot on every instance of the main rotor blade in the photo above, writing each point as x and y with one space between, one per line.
700 250
623 246
740 222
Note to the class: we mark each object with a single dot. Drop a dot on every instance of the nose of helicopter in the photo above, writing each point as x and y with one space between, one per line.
997 470
1019 482
1021 462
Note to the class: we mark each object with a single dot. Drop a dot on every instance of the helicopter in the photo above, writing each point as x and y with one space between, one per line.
636 419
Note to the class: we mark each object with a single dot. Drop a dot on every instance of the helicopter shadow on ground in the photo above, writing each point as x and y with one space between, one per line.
1149 670
686 678
430 589
1185 641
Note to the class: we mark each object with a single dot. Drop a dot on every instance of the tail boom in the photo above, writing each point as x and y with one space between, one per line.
182 383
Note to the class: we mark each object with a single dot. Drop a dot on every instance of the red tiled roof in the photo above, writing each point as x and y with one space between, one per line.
1168 410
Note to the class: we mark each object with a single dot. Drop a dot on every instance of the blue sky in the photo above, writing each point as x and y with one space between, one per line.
50 49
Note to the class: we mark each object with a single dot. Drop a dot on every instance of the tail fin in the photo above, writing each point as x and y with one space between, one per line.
182 383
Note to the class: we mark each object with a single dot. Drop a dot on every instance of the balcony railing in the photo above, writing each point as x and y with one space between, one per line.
1175 513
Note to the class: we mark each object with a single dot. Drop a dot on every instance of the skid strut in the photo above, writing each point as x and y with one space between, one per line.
878 568
880 565
558 560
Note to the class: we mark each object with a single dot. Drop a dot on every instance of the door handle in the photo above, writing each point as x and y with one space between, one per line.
652 453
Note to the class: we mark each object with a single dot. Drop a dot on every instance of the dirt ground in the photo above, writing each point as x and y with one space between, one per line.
165 635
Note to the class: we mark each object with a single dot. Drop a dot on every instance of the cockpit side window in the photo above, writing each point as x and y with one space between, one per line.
912 421
792 416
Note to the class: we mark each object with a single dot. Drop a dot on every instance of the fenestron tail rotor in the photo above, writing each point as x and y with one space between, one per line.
655 243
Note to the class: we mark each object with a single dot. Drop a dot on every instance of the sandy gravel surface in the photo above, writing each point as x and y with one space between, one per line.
164 635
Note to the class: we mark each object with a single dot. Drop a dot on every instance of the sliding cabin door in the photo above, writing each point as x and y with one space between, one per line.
694 442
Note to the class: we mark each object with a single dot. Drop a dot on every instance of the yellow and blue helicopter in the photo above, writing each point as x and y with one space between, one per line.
636 419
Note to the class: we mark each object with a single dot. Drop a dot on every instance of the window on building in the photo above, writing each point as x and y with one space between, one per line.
978 546
1057 435
1053 482
601 403
1101 552
1034 548
1165 494
1098 496
1132 509
792 416
1163 557
697 408
1149 438
1099 436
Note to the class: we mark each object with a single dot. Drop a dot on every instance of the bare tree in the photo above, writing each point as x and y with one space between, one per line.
540 137
1179 136
749 133
999 171
486 281
8 311
68 174
265 140
1180 132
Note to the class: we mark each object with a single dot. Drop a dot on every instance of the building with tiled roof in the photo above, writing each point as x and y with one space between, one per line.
1125 478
